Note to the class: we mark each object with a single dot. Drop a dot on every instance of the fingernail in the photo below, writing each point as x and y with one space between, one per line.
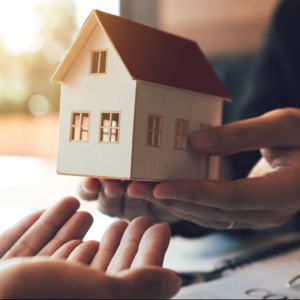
110 194
86 190
166 195
204 139
140 194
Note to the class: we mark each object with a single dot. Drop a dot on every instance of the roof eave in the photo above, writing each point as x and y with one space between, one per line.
229 99
68 60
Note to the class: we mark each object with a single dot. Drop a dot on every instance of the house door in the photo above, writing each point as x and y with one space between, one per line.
203 167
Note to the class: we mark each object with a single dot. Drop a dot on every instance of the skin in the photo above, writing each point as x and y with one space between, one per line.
269 197
43 257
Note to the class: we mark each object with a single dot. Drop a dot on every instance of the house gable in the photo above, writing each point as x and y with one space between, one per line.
112 92
151 55
91 24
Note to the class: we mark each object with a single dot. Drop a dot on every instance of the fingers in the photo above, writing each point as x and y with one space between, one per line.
34 240
215 224
12 235
153 247
74 229
129 245
247 194
109 246
65 251
84 253
111 198
205 213
144 190
147 283
251 134
134 207
90 189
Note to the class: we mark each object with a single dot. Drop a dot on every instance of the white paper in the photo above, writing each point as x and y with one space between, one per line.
262 280
207 253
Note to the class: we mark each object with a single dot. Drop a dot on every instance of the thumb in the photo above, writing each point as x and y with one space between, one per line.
272 130
148 283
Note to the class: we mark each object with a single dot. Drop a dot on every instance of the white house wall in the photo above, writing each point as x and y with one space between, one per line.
165 163
112 92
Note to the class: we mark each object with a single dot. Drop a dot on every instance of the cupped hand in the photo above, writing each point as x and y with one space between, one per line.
126 264
113 200
267 198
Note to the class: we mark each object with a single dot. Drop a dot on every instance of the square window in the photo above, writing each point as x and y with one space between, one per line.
80 126
98 62
154 131
110 127
181 134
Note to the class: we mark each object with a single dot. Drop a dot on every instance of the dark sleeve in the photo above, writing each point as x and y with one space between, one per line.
272 83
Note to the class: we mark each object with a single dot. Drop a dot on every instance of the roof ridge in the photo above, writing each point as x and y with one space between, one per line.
148 26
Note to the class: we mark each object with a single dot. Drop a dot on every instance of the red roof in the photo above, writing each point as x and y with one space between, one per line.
158 57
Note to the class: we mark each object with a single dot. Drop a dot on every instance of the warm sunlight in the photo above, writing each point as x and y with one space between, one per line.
20 24
86 6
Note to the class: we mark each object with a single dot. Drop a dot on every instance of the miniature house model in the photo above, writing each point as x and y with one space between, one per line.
130 97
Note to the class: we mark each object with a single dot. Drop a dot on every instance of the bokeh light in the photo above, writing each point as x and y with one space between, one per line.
38 105
18 24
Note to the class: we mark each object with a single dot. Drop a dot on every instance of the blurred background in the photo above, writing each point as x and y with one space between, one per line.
34 37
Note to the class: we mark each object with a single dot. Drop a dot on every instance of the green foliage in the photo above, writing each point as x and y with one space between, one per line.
29 74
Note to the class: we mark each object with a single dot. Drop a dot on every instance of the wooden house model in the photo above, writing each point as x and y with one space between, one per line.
130 97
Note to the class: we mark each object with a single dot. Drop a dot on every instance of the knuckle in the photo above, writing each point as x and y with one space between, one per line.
233 203
237 198
243 134
279 222
169 203
290 117
193 197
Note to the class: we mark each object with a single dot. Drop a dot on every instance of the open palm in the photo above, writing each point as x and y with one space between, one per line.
128 256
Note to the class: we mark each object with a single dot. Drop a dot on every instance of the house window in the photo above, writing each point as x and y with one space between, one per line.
204 160
98 62
154 131
181 135
80 126
110 127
